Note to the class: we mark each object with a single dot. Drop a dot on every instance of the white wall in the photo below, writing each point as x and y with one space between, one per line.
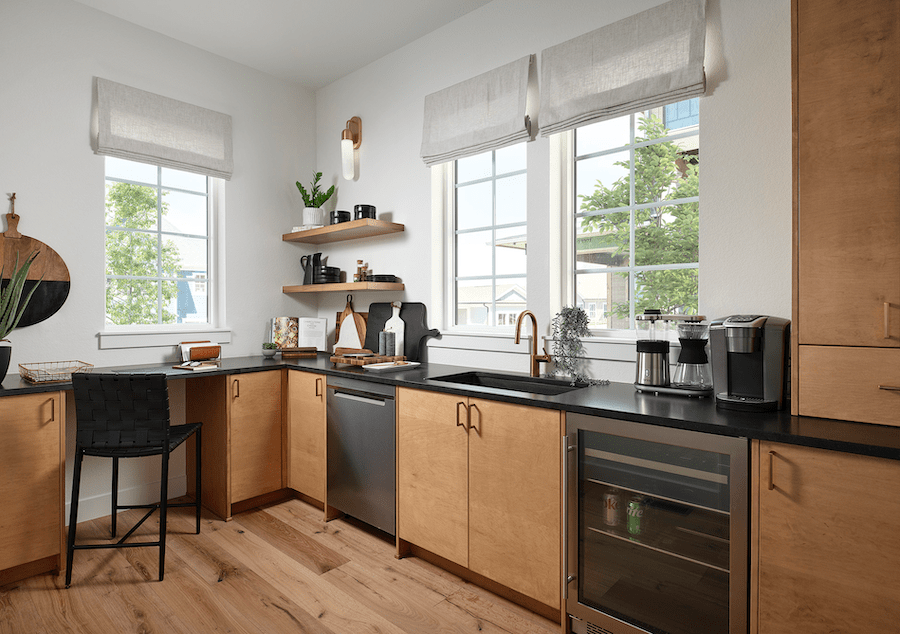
49 52
745 235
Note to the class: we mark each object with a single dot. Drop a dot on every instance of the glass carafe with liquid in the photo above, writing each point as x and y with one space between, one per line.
693 371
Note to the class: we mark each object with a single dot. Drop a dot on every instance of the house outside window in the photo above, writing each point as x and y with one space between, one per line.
489 238
637 214
157 245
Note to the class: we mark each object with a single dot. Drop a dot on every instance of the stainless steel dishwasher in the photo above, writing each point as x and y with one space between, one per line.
361 451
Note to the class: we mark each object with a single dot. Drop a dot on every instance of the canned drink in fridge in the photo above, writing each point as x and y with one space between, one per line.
611 507
635 515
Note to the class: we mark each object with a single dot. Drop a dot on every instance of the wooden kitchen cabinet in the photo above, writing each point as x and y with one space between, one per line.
479 484
846 84
306 434
32 489
826 551
242 437
432 473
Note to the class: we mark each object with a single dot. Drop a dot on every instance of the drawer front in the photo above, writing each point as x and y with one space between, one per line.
843 383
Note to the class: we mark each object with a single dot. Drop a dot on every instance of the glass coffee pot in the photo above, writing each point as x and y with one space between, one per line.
692 371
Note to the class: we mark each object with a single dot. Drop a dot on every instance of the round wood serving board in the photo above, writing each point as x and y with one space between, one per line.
53 290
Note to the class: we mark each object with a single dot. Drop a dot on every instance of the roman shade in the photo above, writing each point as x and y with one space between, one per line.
487 112
141 126
644 61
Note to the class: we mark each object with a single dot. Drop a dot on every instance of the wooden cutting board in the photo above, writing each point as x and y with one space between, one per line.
351 328
53 290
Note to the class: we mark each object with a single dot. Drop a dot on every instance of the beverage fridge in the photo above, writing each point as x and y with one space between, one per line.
656 529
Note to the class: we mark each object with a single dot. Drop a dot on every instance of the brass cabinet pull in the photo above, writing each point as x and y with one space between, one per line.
889 388
458 423
236 389
771 471
887 320
472 425
52 410
319 386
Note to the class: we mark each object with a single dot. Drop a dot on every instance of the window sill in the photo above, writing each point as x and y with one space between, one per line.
116 339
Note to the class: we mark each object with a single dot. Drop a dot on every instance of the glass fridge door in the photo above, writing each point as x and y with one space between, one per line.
655 527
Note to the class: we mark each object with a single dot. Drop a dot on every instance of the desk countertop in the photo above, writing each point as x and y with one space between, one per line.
616 400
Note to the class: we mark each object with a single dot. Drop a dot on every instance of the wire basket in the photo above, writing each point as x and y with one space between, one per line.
52 371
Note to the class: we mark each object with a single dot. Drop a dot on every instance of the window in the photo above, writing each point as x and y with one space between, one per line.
637 214
157 245
489 237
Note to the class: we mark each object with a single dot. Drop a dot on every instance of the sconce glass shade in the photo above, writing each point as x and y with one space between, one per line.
351 139
348 163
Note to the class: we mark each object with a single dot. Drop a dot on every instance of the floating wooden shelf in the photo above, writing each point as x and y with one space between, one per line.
363 228
348 286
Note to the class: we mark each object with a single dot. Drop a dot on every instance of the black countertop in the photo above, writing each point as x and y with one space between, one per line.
616 400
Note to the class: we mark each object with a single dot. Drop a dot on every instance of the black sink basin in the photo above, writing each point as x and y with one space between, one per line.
533 385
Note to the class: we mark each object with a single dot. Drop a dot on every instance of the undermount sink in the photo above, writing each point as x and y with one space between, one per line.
533 385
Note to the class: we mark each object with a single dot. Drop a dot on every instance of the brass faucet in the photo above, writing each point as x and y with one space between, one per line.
536 359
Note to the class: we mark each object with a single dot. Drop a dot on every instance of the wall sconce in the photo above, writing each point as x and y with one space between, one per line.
351 138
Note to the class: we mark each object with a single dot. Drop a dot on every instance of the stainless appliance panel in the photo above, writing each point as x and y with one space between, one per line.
645 580
361 451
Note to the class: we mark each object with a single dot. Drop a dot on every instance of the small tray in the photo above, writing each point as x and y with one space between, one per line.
387 367
52 371
364 361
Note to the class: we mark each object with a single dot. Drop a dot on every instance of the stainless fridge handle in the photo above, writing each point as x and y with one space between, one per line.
566 579
361 399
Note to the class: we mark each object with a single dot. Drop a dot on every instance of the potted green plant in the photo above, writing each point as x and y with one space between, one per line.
569 326
12 306
313 214
269 349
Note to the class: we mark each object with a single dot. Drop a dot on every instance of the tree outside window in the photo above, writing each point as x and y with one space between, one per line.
637 238
156 245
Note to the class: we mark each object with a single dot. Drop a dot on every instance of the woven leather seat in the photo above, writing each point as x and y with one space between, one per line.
127 416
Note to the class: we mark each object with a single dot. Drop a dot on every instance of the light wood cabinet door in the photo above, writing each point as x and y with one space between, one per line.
827 544
514 497
254 401
847 96
432 473
306 434
31 459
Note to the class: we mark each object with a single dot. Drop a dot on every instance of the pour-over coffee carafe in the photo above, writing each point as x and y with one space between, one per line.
693 371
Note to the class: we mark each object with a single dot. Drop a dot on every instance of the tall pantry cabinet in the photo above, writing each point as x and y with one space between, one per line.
846 96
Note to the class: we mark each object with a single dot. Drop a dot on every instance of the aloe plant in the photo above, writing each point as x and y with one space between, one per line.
11 309
315 197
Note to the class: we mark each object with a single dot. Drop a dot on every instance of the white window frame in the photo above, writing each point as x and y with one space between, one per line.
562 152
166 335
443 255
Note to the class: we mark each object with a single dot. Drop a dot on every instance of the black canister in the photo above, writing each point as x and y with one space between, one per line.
339 216
363 211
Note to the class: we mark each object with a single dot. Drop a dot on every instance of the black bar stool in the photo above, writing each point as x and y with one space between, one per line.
126 416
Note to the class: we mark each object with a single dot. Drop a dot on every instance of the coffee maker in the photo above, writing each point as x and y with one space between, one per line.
692 375
750 361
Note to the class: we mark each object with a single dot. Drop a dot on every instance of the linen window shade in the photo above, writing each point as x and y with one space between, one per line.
141 126
644 61
487 112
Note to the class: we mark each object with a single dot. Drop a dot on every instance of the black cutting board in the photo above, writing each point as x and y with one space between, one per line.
414 332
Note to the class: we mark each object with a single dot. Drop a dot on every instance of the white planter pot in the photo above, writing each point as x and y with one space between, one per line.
313 216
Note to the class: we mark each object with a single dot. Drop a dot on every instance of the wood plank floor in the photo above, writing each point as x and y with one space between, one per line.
274 569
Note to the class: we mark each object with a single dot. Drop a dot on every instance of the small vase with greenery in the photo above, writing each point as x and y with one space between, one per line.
313 199
569 325
12 306
269 349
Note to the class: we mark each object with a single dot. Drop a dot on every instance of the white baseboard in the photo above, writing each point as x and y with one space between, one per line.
95 506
